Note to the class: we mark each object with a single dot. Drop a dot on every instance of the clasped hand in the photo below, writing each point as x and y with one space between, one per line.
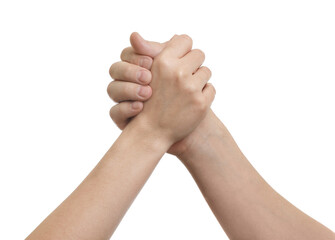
181 96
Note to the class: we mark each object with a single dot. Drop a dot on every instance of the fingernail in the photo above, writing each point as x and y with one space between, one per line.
143 91
142 76
138 75
136 105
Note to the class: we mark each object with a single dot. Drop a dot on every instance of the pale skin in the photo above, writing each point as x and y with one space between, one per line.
243 203
95 208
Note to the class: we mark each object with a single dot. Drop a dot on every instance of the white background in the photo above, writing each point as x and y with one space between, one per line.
273 65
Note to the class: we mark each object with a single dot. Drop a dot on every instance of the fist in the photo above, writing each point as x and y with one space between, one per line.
181 95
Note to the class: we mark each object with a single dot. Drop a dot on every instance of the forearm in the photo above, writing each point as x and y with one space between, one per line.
244 204
96 207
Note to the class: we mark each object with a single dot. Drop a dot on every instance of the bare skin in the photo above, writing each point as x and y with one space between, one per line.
244 204
95 208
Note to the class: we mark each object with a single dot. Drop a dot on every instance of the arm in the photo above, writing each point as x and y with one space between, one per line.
244 204
96 207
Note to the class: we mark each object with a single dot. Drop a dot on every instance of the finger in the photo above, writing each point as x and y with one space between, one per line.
120 91
178 46
128 55
129 72
209 93
120 113
202 76
144 47
194 59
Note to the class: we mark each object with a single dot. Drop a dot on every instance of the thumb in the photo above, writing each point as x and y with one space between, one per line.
144 47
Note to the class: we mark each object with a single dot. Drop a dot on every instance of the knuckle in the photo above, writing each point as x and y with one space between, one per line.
199 103
112 113
121 125
196 101
174 37
117 112
125 53
213 89
200 53
189 89
114 98
162 61
207 71
210 93
187 38
110 89
181 74
112 70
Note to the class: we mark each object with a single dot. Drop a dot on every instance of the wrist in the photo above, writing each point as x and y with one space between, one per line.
200 148
148 135
139 144
203 143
